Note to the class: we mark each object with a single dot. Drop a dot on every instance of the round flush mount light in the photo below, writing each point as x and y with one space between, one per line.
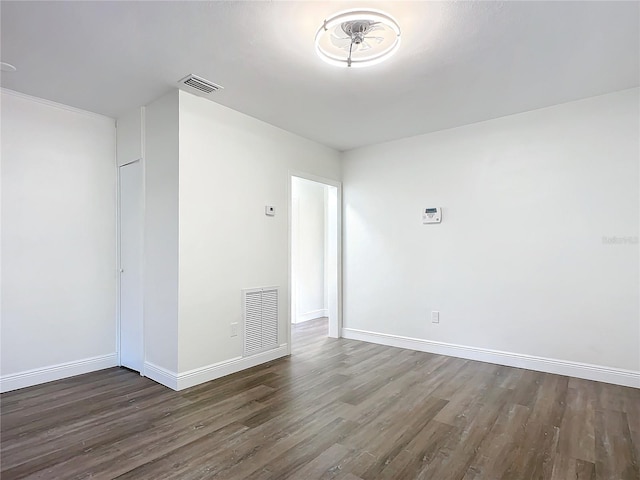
357 38
7 67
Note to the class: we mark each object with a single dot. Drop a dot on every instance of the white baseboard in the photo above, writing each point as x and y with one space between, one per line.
180 381
37 376
161 375
617 376
312 315
221 369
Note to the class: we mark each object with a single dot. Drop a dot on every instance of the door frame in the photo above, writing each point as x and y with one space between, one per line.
335 323
118 263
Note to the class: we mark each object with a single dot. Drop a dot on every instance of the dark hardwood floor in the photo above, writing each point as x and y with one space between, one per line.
337 409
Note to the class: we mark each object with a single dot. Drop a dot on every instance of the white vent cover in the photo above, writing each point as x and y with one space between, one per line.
198 85
260 312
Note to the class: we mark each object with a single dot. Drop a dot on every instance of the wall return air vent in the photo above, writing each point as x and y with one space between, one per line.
198 85
260 312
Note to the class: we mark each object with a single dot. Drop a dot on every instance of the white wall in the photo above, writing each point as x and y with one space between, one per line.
308 249
130 136
231 166
58 241
518 263
161 234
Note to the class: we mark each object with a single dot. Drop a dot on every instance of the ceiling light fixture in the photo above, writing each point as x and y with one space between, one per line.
357 38
7 67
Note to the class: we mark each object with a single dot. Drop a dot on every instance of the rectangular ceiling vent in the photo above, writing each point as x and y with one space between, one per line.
199 85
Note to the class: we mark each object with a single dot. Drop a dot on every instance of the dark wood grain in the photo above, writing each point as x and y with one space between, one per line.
336 409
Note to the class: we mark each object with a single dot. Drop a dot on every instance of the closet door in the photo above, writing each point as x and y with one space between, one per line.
130 215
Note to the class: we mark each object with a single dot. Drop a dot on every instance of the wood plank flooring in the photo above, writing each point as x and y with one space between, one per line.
337 409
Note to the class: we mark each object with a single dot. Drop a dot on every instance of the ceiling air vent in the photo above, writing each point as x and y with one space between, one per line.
199 85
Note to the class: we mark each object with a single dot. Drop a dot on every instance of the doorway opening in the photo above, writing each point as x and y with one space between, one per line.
314 236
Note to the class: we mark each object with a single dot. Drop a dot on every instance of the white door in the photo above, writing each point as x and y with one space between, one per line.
130 214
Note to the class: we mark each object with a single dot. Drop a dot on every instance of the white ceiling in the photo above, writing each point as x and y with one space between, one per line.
459 62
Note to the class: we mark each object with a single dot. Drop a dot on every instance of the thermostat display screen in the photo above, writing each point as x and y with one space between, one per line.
432 215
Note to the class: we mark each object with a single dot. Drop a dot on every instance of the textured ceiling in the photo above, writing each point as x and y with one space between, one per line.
459 62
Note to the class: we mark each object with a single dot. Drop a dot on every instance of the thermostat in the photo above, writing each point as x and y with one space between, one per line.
432 215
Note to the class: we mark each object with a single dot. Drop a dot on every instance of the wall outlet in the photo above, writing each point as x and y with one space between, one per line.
435 317
234 329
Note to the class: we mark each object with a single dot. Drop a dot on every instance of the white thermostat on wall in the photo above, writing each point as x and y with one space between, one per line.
432 215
